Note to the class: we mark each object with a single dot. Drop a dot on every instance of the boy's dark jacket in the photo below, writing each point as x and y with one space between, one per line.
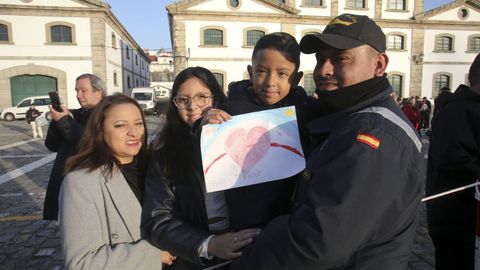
256 205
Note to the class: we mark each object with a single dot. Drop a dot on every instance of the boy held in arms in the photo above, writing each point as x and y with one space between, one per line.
273 83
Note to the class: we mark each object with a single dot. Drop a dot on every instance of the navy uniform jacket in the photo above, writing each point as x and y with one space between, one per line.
358 207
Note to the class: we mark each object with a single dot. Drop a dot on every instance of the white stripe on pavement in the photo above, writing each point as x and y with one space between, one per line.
9 134
17 144
26 169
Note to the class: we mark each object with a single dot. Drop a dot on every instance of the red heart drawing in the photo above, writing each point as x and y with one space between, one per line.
247 148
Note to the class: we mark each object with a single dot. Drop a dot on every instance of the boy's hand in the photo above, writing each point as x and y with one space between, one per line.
215 116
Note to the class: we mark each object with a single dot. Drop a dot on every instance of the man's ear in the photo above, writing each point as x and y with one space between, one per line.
297 78
381 64
250 72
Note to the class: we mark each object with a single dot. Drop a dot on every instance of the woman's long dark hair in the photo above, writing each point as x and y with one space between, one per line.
174 145
93 151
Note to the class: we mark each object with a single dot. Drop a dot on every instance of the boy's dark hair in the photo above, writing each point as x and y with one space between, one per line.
282 42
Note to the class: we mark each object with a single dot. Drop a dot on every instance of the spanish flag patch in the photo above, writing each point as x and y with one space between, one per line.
368 140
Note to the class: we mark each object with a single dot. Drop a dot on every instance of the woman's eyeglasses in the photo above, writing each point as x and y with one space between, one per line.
183 102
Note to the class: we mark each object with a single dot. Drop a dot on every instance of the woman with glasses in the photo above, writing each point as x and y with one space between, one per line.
178 215
100 198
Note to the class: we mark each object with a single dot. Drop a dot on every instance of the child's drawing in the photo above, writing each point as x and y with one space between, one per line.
251 148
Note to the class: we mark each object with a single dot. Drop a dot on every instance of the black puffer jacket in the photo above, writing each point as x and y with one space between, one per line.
31 115
256 205
454 161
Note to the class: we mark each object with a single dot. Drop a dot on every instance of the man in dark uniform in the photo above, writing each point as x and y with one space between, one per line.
64 133
357 205
454 161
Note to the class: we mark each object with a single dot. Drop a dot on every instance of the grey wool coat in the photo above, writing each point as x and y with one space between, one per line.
99 220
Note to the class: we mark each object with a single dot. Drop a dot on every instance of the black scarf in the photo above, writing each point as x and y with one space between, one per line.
342 98
134 177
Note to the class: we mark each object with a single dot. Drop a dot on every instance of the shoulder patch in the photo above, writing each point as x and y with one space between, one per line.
369 140
306 174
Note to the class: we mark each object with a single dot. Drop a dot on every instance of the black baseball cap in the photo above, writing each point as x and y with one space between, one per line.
345 32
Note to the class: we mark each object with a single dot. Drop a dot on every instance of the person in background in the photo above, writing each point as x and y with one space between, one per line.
357 204
412 113
31 115
178 214
64 133
454 161
424 115
100 197
444 96
428 112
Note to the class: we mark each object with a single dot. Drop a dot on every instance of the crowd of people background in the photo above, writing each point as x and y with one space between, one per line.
123 204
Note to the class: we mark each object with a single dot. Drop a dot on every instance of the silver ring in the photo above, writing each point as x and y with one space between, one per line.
235 239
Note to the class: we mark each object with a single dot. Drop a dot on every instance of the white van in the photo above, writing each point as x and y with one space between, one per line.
145 97
19 111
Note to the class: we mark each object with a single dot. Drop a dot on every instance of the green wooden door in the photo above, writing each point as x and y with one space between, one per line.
31 85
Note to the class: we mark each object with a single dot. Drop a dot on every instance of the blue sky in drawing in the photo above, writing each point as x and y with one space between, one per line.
285 117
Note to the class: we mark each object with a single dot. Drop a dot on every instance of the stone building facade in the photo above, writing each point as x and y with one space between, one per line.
427 49
46 44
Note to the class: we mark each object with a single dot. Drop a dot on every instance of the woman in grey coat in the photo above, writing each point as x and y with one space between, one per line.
100 198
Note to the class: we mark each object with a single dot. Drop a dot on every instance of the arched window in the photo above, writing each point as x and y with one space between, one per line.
4 33
474 44
356 4
444 43
395 42
251 36
220 76
315 3
396 81
115 78
309 83
213 37
440 80
396 4
60 33
114 41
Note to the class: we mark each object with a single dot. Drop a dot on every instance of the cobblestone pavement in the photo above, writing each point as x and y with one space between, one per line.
27 242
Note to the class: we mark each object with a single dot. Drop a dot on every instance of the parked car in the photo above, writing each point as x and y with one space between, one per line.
19 111
145 97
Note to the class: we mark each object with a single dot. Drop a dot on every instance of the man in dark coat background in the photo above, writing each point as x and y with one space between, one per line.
64 133
454 161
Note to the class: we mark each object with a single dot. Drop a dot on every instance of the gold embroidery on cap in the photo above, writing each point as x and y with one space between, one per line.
343 22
